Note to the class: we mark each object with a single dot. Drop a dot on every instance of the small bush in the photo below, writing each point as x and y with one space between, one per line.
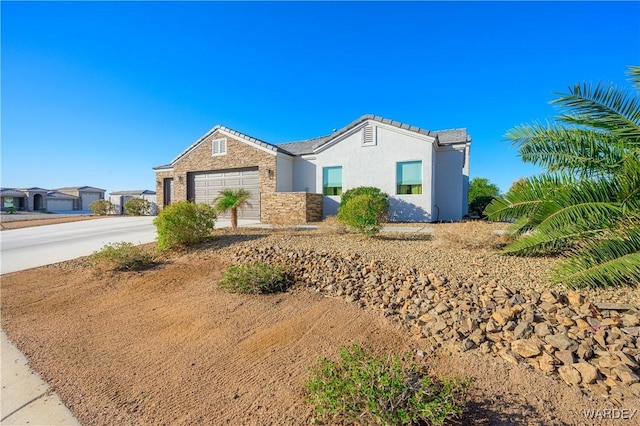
121 256
101 207
137 207
184 222
253 278
363 213
367 390
11 210
381 198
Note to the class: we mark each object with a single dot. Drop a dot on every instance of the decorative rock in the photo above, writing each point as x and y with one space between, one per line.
584 351
542 329
525 348
582 324
501 316
570 375
587 371
508 356
629 320
442 307
625 376
562 342
549 307
468 344
575 298
566 357
522 330
548 296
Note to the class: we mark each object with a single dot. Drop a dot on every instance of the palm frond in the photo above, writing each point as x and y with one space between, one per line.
634 76
574 150
603 107
609 261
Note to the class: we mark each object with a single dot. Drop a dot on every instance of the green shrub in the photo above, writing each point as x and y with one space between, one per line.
367 390
137 207
184 222
101 207
253 278
121 256
375 193
363 213
11 210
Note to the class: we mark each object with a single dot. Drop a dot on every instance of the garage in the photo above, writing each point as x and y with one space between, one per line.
59 202
90 197
204 187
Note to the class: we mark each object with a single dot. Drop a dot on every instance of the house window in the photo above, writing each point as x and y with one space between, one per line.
409 177
219 146
332 180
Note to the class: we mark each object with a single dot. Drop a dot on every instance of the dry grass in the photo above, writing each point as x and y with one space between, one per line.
471 235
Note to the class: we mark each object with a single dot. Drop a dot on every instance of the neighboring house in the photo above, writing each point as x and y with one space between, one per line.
119 198
12 198
27 199
425 173
60 202
86 195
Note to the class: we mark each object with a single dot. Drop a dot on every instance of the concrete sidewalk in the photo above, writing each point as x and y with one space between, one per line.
25 398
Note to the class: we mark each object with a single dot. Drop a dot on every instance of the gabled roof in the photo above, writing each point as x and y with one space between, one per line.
61 196
311 145
134 192
11 192
236 134
34 188
81 189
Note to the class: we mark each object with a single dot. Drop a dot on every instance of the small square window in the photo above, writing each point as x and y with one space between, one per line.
332 180
219 146
409 178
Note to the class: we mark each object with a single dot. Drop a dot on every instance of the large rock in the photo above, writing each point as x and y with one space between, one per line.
526 348
587 371
562 342
570 375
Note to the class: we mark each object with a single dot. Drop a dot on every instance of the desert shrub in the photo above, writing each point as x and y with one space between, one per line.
381 198
253 278
101 207
121 256
363 213
137 207
11 210
360 387
184 222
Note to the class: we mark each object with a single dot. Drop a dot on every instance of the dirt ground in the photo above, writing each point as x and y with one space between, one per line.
166 346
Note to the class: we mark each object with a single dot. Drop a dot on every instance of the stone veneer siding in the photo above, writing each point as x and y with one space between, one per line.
289 208
200 159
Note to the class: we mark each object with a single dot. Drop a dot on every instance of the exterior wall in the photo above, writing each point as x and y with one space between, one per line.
86 198
449 184
288 208
284 173
376 166
304 172
239 155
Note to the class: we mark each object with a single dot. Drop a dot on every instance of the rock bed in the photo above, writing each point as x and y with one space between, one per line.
593 346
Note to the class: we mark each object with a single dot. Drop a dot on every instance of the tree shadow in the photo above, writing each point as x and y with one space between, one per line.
401 211
498 411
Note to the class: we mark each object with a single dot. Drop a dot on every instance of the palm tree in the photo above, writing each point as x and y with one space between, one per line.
586 205
232 200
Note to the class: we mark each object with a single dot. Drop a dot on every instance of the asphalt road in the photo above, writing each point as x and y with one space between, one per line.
27 248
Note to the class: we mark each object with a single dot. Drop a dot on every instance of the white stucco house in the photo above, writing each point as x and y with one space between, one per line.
425 173
119 199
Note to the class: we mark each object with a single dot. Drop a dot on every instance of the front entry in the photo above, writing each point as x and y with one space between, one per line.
37 202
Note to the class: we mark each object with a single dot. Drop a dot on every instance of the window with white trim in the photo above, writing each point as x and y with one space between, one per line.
219 146
332 180
409 178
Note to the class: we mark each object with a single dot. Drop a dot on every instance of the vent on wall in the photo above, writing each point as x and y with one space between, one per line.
369 136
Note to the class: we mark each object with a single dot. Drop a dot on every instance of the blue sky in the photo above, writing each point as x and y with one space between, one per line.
98 93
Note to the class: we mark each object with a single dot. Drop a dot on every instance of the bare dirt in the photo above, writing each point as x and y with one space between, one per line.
166 346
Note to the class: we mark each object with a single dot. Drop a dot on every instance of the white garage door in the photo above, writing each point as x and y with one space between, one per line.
88 198
208 185
59 205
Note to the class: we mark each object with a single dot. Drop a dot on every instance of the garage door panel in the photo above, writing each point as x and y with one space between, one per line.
208 185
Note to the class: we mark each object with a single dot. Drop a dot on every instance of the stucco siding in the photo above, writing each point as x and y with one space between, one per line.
376 165
284 173
449 184
304 172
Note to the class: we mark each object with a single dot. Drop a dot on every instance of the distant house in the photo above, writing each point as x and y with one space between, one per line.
40 199
85 195
60 202
119 198
425 173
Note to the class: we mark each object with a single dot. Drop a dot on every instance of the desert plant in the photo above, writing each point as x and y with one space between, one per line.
137 207
253 278
375 193
363 213
11 210
184 222
481 193
360 387
101 207
587 203
232 200
121 256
